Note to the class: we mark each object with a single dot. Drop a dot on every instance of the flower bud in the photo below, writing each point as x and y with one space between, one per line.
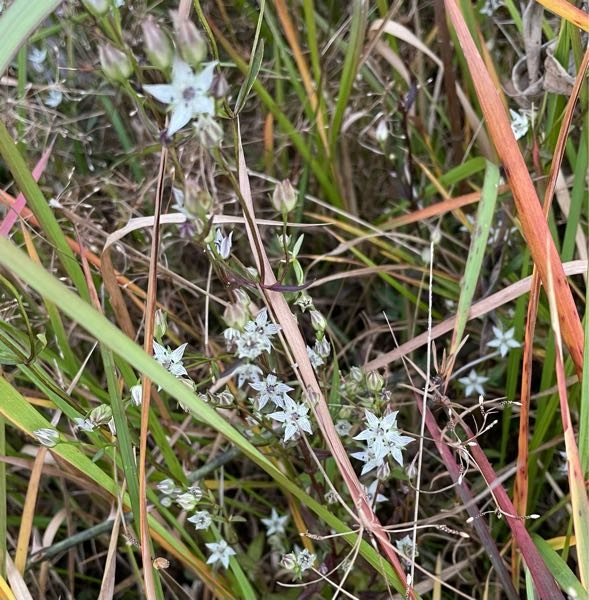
47 437
235 315
98 8
137 394
381 133
101 415
115 64
318 321
191 43
166 487
160 325
156 44
374 382
209 132
284 198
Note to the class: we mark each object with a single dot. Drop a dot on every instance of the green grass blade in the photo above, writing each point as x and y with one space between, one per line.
350 69
478 246
37 203
21 18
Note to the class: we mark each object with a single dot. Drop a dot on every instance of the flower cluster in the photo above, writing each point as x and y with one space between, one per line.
254 339
187 500
383 439
298 562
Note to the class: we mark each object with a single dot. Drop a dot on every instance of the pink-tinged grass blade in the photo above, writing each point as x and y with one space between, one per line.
20 202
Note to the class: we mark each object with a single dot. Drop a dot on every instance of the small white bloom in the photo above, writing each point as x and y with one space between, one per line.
166 487
298 561
187 94
221 553
406 548
47 436
37 57
503 340
223 244
473 383
202 519
294 418
84 424
136 394
519 124
186 501
383 439
249 373
170 360
53 98
316 360
490 7
275 524
371 490
255 337
271 389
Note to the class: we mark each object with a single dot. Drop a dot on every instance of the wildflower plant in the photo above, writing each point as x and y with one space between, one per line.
204 309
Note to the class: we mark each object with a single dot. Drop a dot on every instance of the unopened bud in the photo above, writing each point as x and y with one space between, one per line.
190 41
318 321
98 8
160 324
284 198
156 44
219 87
197 202
47 436
381 132
209 132
115 64
101 415
235 315
374 382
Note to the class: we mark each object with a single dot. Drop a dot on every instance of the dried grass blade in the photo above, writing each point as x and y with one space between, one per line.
534 227
579 498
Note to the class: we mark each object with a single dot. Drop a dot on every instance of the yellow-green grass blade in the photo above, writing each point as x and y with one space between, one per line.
476 254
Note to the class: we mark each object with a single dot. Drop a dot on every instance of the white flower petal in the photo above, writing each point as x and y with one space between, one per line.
181 114
163 92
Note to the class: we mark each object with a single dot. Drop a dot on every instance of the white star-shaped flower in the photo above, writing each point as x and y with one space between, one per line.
170 359
221 553
519 124
187 95
503 340
294 418
275 524
473 383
